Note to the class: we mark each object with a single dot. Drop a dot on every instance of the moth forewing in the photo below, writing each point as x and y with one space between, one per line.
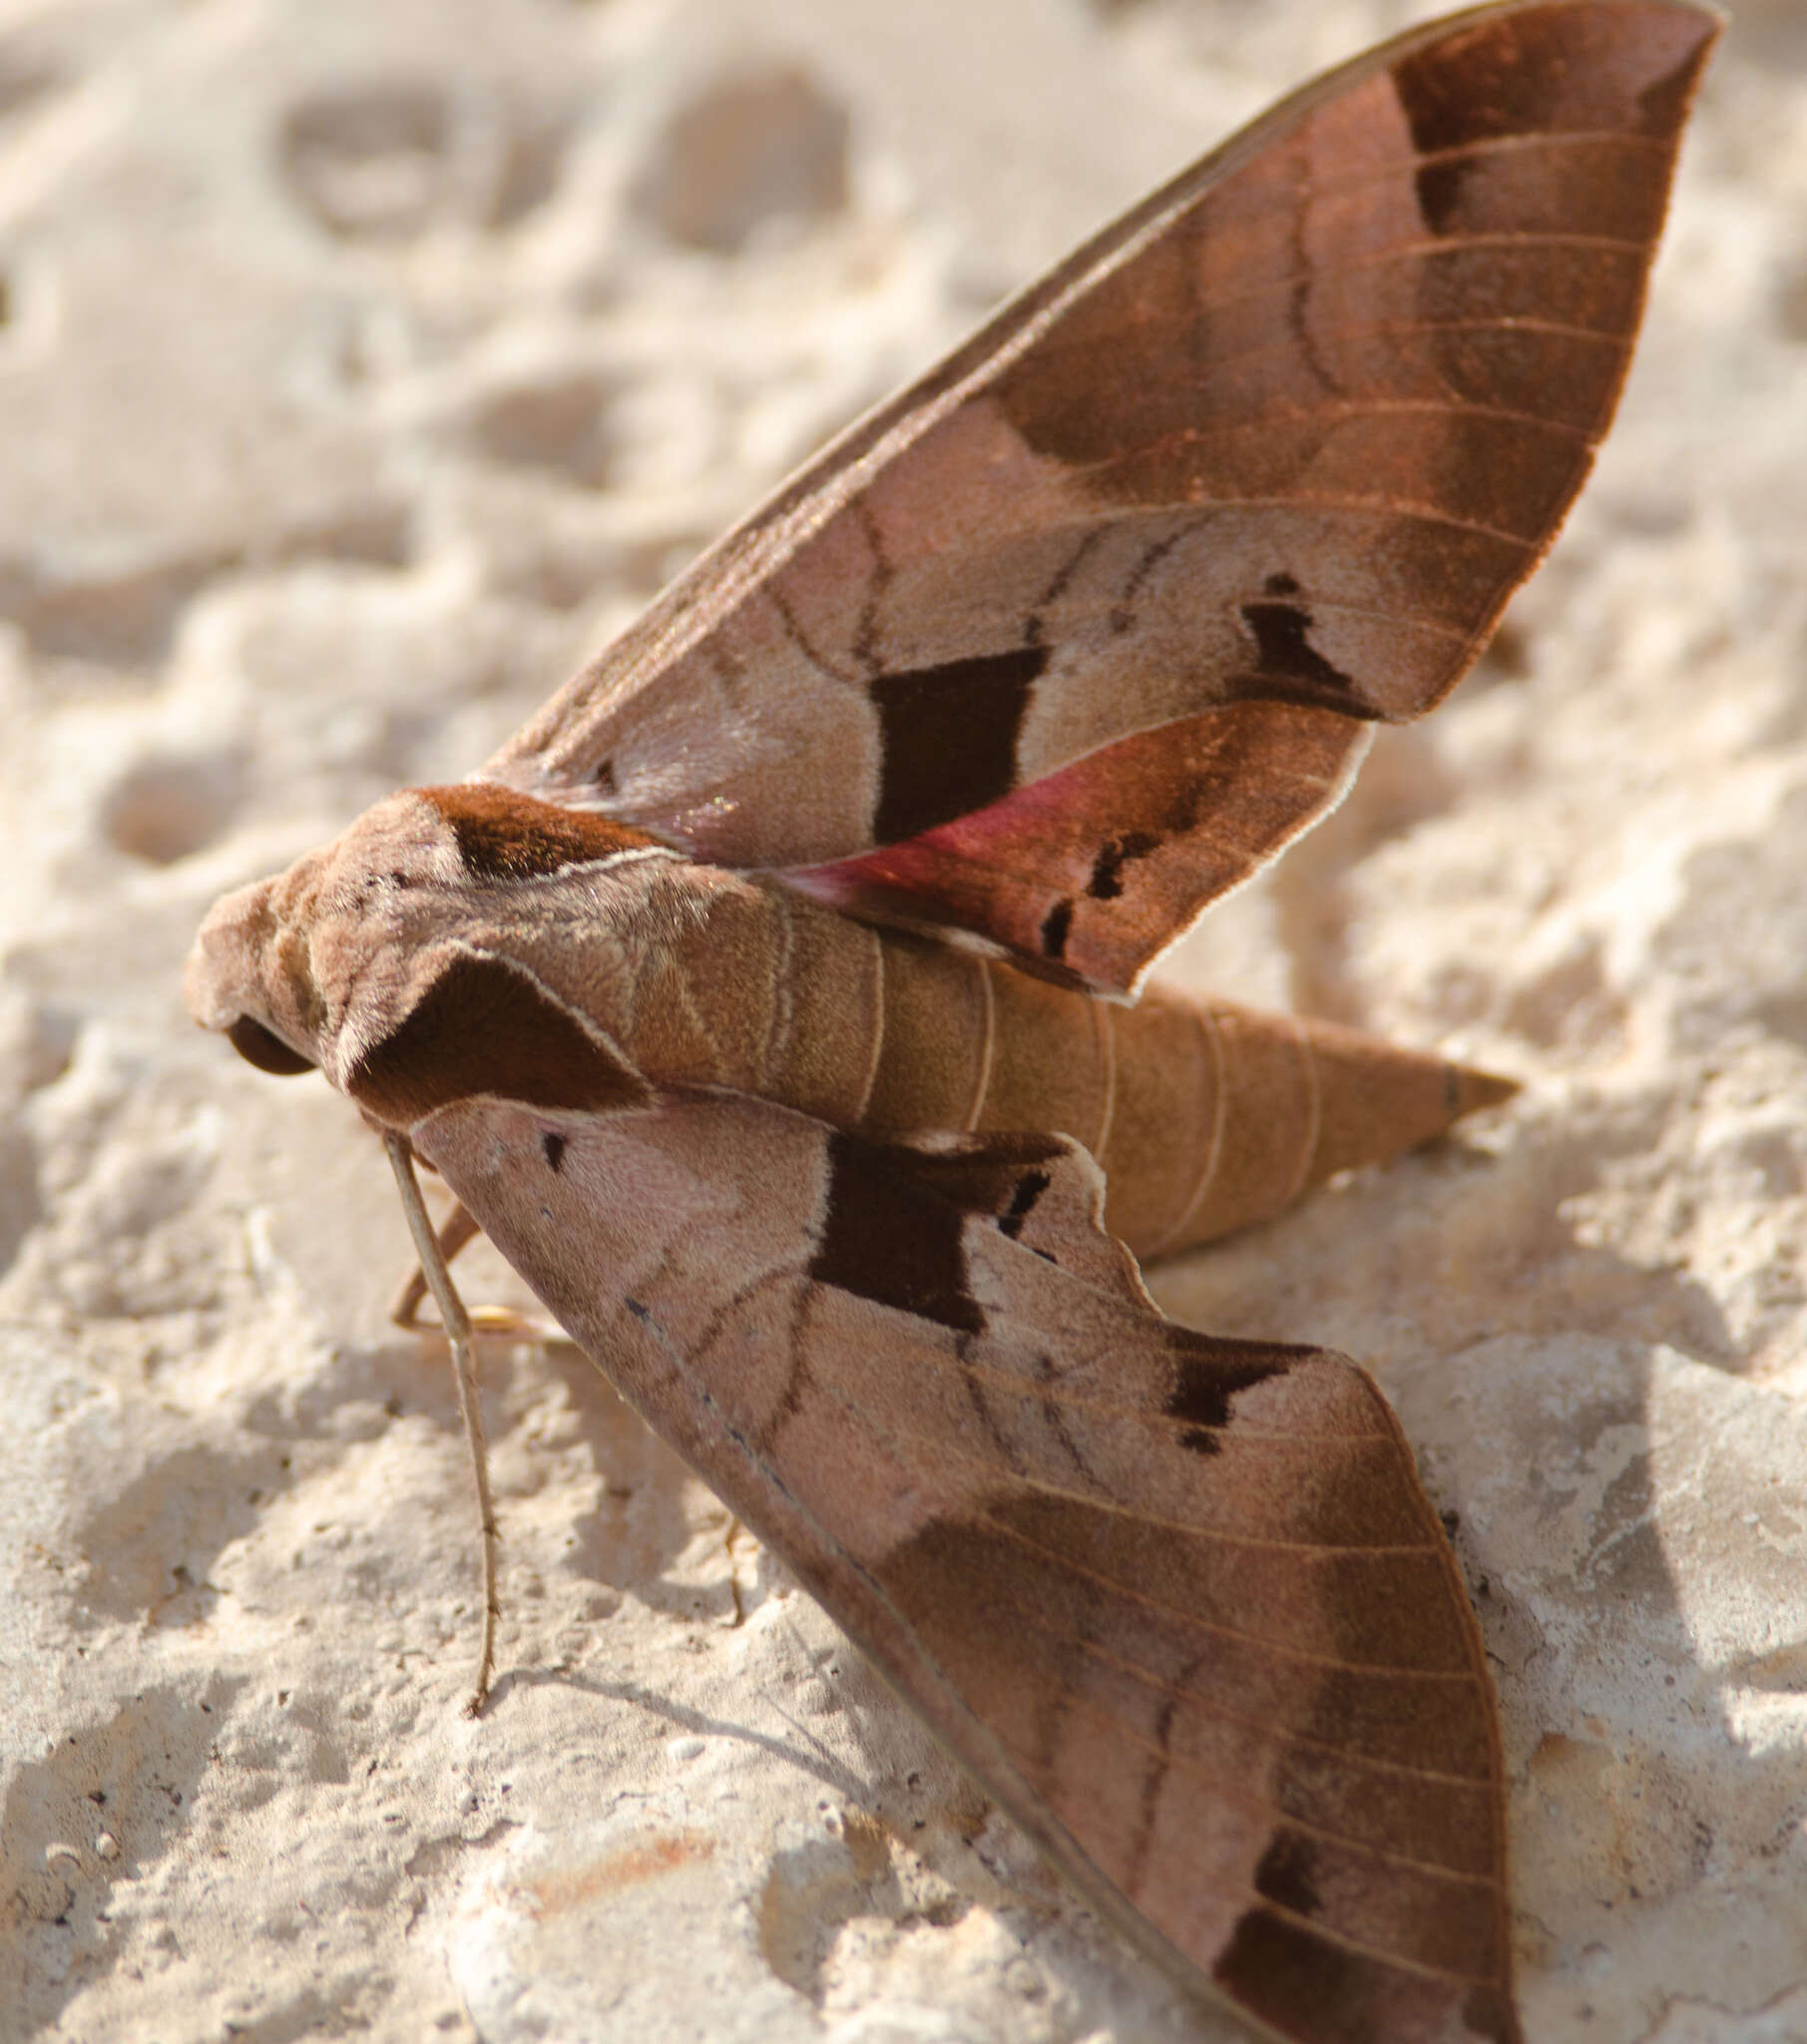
757 1000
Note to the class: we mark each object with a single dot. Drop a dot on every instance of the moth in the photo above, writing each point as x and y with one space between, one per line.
775 1000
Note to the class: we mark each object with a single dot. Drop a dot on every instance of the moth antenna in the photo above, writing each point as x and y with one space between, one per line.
457 1325
458 1228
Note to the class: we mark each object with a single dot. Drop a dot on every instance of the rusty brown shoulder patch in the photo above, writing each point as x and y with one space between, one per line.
487 1027
506 835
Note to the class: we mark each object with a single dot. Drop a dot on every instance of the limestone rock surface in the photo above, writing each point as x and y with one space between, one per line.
362 367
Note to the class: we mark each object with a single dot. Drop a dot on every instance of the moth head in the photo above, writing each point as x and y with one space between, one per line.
249 976
400 959
299 971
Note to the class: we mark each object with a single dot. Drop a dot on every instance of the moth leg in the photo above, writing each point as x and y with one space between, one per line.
456 1324
458 1228
733 1532
501 1322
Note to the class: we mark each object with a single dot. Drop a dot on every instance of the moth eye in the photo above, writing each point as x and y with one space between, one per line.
259 1046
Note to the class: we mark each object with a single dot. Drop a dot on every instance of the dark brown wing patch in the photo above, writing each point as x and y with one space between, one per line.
948 738
884 1238
484 1026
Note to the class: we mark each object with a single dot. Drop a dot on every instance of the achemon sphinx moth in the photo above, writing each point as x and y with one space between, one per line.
770 999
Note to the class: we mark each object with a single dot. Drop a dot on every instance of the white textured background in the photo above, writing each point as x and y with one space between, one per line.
365 362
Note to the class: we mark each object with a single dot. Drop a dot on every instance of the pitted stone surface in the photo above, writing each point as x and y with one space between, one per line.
362 369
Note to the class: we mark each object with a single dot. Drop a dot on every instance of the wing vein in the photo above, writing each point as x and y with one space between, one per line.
1260 1543
1444 1677
1344 1756
1345 1942
1249 1797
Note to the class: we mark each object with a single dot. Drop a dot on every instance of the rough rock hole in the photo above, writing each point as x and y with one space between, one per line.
20 1208
163 810
564 425
37 1042
370 163
148 1765
1784 1015
124 620
1508 657
753 148
1730 949
371 533
384 161
647 564
813 1890
1792 304
24 79
558 572
1772 1153
533 155
1403 783
1571 1005
1774 32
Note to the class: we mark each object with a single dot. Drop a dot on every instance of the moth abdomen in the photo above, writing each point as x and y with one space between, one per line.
1224 1116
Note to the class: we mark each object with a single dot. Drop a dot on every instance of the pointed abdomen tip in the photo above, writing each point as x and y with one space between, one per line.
1468 1090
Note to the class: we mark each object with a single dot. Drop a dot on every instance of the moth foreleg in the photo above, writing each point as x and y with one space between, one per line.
456 1323
454 1232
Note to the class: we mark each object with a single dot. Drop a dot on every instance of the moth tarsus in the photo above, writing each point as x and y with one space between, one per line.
801 1080
455 1324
